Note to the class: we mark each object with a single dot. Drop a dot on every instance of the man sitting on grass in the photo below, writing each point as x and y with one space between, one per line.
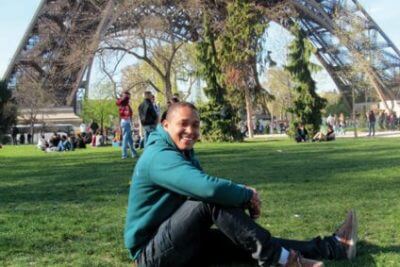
173 205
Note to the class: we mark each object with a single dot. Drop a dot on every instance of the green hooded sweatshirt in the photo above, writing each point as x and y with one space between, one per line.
164 177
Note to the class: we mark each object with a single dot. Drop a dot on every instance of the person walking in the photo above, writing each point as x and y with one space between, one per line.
125 114
173 205
94 127
14 133
148 115
371 123
21 138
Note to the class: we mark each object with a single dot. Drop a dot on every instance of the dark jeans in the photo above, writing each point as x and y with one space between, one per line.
187 239
148 129
371 128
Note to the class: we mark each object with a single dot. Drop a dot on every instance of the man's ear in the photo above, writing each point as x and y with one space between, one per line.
164 123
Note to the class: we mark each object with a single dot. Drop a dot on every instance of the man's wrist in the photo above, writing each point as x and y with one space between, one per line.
247 204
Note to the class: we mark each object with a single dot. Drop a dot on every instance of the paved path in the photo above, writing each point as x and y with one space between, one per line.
348 134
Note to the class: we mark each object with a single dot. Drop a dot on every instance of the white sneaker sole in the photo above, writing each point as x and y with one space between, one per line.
351 252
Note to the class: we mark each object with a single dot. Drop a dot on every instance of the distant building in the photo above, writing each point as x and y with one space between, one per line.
57 119
393 105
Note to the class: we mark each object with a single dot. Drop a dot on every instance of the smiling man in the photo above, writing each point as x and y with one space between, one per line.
173 205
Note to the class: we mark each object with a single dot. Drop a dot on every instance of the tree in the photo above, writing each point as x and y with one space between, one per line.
110 72
335 103
8 110
142 77
217 115
244 27
137 79
150 38
32 98
307 105
101 108
279 82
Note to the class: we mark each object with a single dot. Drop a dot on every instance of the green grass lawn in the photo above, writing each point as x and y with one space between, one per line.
68 209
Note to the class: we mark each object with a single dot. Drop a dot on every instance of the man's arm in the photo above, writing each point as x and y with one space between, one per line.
121 100
153 112
170 170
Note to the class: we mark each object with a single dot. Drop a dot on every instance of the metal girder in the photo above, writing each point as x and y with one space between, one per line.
60 28
315 15
49 47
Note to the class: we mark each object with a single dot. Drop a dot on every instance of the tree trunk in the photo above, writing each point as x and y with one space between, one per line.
32 130
167 88
102 124
32 122
271 130
249 111
354 113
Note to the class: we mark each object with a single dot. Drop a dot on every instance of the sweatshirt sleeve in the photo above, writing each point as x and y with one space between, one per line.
169 169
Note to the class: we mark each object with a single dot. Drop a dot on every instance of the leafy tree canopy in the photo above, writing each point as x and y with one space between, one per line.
102 109
8 109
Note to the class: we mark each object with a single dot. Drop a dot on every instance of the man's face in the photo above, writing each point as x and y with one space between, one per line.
183 126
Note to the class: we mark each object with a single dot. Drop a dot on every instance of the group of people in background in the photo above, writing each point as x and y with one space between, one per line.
149 115
386 120
332 125
301 134
19 138
61 142
336 125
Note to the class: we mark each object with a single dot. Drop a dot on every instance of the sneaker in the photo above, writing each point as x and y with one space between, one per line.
296 260
347 234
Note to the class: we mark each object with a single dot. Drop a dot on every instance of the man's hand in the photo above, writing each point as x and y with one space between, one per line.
254 204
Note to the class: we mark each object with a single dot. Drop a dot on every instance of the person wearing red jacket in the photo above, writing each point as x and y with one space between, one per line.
125 114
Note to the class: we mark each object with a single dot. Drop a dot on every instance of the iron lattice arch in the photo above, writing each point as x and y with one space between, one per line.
341 31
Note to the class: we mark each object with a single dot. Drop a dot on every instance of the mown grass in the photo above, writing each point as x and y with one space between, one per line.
68 209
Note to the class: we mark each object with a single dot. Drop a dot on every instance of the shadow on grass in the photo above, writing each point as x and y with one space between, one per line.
364 258
50 178
369 248
365 255
282 166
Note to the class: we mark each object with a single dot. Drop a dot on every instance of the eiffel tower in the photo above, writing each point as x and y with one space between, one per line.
59 27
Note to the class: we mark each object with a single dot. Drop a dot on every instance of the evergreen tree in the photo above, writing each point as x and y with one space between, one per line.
307 105
239 46
8 110
219 121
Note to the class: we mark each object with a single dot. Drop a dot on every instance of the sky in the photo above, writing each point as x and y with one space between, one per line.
15 16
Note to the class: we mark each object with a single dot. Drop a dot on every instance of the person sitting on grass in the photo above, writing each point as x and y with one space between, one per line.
80 141
42 143
301 133
329 136
66 144
173 205
73 140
